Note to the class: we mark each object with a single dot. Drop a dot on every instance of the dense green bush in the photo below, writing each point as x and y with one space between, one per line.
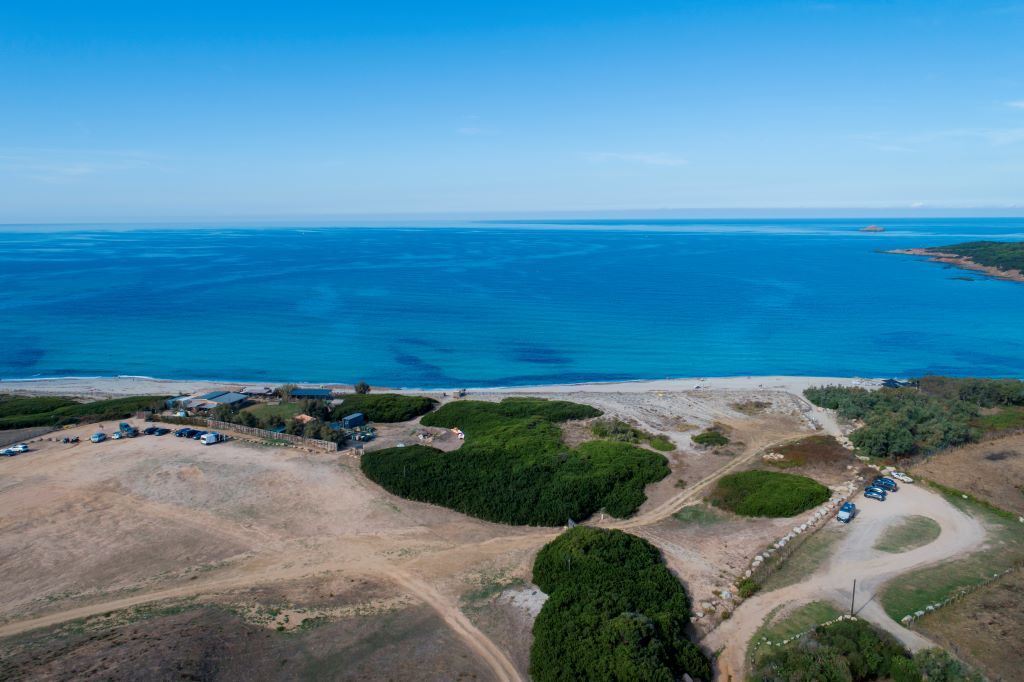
614 612
939 666
475 416
514 468
982 392
384 407
847 650
711 438
19 413
767 493
899 422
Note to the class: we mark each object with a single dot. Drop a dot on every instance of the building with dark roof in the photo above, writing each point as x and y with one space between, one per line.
313 393
230 398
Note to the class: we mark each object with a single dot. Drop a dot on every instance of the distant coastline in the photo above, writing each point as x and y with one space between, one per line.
950 256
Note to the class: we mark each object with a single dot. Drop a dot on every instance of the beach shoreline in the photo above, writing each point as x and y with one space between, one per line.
98 387
961 262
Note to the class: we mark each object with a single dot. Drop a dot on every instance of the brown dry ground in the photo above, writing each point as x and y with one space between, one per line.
991 470
245 534
986 628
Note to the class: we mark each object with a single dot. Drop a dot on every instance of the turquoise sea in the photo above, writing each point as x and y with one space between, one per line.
506 303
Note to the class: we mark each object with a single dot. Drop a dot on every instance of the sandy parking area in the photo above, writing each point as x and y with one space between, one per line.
94 529
856 558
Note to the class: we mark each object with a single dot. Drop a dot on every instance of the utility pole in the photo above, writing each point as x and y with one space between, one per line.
853 596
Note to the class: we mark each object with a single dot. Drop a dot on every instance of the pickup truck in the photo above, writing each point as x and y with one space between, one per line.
847 512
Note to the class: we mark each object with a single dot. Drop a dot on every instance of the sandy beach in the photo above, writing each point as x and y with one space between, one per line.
109 387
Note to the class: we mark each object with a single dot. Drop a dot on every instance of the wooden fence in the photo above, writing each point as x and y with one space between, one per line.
301 441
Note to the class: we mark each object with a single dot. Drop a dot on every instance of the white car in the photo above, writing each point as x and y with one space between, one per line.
20 447
900 476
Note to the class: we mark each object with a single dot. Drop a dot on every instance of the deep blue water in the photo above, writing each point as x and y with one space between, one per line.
484 305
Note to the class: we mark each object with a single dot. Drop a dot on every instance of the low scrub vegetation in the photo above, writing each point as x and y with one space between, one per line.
711 438
846 650
384 407
811 450
940 412
614 612
1002 419
20 413
618 430
767 493
514 467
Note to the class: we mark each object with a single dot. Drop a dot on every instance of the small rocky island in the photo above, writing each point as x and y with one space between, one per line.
872 228
1002 260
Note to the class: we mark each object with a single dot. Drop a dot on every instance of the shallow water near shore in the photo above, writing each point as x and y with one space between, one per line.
507 304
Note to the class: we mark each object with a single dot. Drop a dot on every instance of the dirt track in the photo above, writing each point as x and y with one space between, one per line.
235 516
855 558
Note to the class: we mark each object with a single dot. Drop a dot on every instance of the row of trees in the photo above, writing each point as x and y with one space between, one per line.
514 468
614 612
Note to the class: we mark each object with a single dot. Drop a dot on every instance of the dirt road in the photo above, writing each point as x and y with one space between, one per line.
855 558
237 517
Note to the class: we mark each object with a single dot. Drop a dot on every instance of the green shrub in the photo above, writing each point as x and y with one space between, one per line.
16 412
618 430
711 438
748 587
384 407
939 666
767 493
614 612
846 650
514 468
900 422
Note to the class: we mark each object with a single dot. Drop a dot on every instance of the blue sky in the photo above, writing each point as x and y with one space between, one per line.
183 111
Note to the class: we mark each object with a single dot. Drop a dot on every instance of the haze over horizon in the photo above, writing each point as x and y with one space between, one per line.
179 112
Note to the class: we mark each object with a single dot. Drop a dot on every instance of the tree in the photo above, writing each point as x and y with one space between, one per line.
362 388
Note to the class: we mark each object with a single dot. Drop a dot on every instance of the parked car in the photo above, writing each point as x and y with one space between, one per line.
198 434
21 447
211 438
847 512
8 452
877 489
117 435
180 433
98 437
887 483
875 494
149 430
900 476
161 431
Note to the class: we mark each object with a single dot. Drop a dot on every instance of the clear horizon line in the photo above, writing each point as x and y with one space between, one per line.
711 212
